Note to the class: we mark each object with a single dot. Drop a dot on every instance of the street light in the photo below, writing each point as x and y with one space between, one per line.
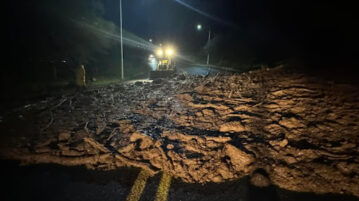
199 28
122 71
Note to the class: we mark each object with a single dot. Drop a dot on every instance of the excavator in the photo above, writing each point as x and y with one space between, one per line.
163 63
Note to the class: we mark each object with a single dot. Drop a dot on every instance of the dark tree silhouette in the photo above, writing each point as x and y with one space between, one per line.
50 34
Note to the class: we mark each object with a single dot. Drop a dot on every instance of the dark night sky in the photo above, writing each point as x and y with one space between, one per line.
297 20
321 27
312 29
162 20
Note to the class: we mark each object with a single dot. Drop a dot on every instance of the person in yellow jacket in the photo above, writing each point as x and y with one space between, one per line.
81 76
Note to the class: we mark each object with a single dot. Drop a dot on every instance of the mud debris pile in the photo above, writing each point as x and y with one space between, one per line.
301 131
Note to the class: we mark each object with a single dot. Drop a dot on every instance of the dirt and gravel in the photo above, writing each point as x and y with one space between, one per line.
279 126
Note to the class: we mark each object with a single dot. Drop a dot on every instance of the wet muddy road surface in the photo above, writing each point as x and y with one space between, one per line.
275 126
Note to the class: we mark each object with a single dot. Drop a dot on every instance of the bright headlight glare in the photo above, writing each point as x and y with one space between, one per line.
169 52
159 52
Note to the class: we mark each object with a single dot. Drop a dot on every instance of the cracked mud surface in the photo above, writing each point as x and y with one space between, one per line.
302 132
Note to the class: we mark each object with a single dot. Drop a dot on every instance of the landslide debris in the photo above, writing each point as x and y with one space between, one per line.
300 132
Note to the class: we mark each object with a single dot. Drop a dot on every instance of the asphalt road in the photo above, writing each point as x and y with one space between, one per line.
198 70
58 183
190 69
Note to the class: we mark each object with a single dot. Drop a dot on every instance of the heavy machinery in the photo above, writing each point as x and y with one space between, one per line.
163 64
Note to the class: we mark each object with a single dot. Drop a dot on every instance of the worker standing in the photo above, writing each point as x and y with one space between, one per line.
81 76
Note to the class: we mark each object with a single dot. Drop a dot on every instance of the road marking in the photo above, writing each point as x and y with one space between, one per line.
138 186
163 188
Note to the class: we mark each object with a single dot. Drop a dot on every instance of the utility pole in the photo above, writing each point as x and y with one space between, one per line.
199 28
122 71
209 39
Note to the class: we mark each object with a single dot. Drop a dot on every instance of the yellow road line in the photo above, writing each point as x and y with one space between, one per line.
163 188
138 186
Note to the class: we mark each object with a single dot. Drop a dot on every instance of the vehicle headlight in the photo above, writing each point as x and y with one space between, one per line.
169 51
159 52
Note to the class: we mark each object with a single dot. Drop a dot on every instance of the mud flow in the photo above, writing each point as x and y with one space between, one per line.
279 127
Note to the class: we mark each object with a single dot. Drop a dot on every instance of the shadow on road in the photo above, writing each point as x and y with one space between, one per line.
54 182
262 194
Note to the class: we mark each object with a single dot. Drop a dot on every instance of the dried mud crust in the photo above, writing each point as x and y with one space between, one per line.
301 131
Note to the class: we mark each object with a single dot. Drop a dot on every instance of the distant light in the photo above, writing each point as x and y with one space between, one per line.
169 52
199 27
63 61
150 40
151 57
159 52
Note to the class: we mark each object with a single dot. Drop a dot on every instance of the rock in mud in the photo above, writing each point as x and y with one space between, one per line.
260 178
64 136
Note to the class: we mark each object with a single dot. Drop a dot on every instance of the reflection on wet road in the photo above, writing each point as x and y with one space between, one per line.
198 70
